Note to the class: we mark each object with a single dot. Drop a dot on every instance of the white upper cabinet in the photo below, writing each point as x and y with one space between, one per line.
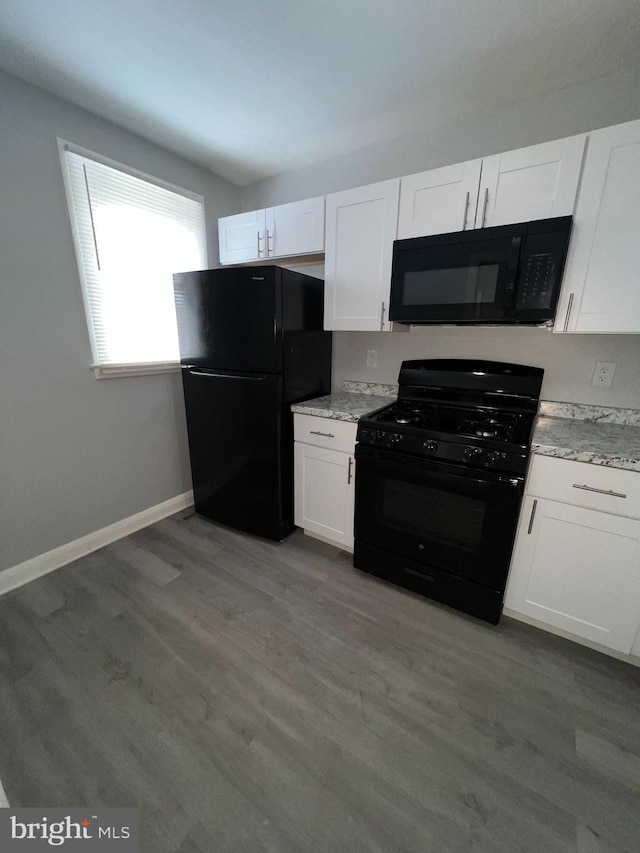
439 201
601 288
296 228
242 237
277 232
361 228
537 182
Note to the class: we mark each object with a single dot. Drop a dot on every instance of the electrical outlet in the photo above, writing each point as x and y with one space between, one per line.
372 358
603 374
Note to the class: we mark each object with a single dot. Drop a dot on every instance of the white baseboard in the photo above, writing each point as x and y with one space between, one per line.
528 620
41 565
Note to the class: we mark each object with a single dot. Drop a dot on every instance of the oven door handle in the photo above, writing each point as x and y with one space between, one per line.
443 469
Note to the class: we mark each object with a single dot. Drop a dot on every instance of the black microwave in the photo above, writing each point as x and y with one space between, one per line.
505 274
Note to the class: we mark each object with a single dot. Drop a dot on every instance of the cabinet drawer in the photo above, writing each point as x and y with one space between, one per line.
586 485
325 432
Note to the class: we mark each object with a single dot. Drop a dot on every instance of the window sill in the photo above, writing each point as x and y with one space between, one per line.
115 371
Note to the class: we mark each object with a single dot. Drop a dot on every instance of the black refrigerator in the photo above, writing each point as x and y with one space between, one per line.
251 344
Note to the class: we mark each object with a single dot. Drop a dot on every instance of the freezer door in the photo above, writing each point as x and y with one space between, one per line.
230 319
235 441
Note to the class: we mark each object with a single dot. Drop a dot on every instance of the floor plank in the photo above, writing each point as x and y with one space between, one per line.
249 695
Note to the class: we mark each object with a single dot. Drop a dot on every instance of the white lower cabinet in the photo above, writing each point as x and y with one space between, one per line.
577 569
325 479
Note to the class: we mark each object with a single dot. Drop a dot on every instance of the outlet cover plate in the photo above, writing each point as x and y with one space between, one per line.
603 374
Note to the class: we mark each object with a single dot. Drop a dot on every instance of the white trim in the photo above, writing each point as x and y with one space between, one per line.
113 371
340 545
41 565
4 802
567 635
65 145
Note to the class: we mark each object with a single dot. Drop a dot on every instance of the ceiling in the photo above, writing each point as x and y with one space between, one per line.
251 88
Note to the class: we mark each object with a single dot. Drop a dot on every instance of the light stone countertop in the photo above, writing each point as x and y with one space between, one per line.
598 435
613 444
344 406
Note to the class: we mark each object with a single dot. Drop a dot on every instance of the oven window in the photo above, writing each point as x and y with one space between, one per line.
433 514
451 286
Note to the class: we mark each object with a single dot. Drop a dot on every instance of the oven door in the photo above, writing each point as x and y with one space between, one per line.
439 515
456 278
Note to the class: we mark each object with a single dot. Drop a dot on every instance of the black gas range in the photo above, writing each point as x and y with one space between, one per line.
440 478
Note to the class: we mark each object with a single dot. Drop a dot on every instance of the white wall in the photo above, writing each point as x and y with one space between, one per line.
76 453
574 109
568 360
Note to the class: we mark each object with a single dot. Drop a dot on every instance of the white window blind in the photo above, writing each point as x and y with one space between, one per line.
131 235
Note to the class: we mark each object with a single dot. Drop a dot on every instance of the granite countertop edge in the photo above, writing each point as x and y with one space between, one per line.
343 406
597 436
614 445
608 460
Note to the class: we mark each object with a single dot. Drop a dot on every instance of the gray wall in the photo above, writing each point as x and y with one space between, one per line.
569 361
76 453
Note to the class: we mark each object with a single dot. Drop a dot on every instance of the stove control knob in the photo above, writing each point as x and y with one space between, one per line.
492 457
473 454
430 446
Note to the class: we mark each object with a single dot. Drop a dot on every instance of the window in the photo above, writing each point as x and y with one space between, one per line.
131 232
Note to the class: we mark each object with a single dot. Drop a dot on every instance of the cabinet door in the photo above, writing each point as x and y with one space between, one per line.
241 237
537 182
361 228
601 290
439 201
296 228
324 493
578 570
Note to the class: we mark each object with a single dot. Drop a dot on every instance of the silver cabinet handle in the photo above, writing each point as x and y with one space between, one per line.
349 471
382 307
566 319
599 491
464 215
259 238
533 515
325 434
484 209
269 247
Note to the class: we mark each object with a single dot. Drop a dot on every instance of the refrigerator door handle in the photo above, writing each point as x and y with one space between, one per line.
225 375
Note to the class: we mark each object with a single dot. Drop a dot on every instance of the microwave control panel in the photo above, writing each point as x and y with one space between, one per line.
536 282
540 270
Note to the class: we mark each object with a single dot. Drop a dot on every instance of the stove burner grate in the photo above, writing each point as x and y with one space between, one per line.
489 427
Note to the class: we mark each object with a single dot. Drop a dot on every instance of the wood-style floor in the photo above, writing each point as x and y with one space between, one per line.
250 696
